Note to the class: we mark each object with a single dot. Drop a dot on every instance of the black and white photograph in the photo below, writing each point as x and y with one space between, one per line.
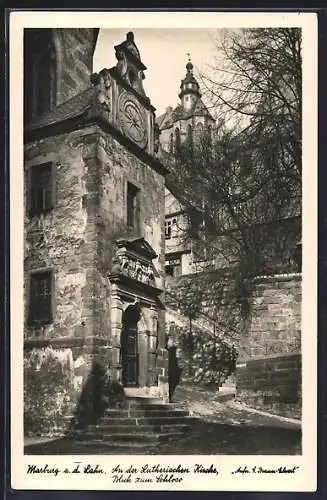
164 176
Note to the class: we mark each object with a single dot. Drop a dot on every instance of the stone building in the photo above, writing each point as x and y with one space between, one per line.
94 210
104 227
268 339
186 122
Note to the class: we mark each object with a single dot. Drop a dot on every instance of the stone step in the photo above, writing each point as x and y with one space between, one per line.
108 420
225 396
166 420
116 429
121 445
131 437
154 406
158 413
143 400
137 412
146 419
117 413
145 406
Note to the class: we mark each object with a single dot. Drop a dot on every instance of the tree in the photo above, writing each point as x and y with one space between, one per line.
260 79
241 186
247 178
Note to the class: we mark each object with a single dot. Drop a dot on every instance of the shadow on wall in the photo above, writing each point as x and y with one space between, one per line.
174 371
99 393
53 402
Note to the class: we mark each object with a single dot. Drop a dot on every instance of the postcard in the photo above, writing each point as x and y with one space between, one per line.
163 250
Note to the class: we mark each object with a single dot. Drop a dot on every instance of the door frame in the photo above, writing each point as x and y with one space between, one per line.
130 319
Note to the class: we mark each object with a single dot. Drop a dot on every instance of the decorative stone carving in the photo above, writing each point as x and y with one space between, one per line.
134 259
102 101
129 65
136 269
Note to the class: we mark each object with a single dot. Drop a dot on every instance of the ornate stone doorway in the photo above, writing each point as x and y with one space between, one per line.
129 347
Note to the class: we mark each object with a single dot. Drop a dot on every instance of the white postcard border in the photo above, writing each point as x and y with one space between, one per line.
304 478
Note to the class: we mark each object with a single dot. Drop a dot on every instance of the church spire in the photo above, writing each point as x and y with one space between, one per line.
190 92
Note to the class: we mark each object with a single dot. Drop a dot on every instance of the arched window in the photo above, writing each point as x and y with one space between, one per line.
40 83
199 129
177 139
210 135
190 135
171 143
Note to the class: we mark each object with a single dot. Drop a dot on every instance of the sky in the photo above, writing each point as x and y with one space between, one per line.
164 53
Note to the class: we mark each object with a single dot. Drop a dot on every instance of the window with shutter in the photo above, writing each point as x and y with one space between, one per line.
41 295
42 188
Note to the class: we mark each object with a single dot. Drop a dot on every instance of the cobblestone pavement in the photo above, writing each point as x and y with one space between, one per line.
211 409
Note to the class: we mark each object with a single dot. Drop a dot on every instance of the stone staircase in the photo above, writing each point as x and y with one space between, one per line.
227 389
140 422
229 382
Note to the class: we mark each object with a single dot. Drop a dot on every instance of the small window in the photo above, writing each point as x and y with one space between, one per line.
170 270
41 294
174 228
199 130
189 135
40 72
171 145
133 206
168 229
42 188
177 271
177 139
174 268
171 230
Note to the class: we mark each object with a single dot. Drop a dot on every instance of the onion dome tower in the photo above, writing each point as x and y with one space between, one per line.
190 89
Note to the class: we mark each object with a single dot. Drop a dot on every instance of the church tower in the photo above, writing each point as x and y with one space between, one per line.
185 123
189 119
190 90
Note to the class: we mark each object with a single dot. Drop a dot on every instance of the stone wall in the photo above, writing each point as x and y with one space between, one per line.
74 57
275 321
76 240
117 167
77 237
69 52
64 238
268 372
210 295
268 337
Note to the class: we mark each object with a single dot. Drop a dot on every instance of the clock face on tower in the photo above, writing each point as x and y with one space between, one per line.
132 120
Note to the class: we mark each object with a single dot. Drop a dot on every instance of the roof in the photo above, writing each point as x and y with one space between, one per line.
171 115
83 107
160 119
72 108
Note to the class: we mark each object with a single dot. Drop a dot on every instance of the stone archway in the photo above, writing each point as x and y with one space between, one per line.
129 346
